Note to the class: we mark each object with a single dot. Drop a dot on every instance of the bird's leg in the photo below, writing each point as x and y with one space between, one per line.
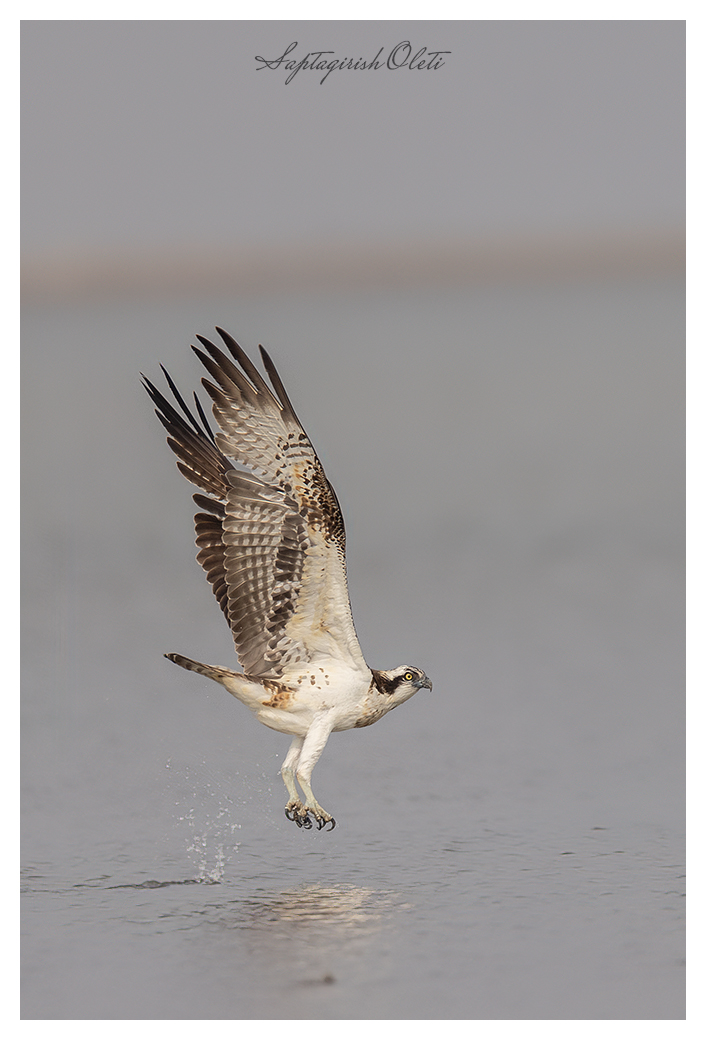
294 810
312 748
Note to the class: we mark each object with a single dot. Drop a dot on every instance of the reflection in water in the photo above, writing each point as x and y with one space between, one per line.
345 909
309 931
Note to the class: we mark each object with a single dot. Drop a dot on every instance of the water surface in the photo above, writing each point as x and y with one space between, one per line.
509 461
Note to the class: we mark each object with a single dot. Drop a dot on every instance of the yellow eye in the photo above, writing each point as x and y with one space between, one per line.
408 677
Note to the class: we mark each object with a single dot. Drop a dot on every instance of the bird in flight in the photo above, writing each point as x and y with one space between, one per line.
271 540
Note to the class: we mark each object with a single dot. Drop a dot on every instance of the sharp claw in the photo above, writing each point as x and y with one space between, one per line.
300 816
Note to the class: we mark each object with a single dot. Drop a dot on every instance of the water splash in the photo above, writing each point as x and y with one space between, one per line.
209 818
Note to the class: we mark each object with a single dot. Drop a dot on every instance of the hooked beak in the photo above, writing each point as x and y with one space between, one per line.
424 682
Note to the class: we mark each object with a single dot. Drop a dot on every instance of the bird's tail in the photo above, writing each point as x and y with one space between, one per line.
211 671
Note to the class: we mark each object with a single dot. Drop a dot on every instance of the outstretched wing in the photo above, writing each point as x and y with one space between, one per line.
271 538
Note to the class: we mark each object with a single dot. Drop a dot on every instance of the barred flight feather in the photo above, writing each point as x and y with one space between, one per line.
263 528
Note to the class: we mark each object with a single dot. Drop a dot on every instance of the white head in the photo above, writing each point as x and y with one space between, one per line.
401 683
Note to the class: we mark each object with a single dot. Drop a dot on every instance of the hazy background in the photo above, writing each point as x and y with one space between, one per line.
146 140
471 279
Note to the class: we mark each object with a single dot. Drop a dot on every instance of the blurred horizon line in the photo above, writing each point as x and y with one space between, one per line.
53 277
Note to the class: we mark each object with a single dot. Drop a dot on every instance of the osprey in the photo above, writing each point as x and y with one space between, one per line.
271 540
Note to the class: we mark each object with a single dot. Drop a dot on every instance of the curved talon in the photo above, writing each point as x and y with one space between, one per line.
298 814
322 822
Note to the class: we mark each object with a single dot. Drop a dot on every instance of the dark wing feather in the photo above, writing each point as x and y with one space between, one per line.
271 540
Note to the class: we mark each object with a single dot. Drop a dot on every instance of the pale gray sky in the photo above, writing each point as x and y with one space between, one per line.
163 135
